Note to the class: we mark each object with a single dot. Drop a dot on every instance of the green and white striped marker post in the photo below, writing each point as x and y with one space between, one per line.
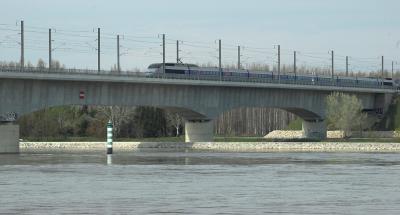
109 138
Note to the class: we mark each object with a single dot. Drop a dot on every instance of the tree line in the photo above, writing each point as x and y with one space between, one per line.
90 121
61 123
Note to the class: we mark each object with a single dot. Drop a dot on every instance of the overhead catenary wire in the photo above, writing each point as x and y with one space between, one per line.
84 41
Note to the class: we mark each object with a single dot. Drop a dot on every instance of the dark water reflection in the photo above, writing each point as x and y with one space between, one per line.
156 182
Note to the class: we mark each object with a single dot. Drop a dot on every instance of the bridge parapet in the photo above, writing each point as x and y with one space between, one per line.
126 76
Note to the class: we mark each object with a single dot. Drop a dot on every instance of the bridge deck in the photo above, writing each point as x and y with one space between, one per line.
176 79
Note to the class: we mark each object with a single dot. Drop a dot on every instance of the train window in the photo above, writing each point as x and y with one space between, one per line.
175 71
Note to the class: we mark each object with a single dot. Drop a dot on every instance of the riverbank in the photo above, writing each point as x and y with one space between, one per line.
213 146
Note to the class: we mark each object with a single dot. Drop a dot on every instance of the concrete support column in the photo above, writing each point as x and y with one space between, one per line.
9 138
199 131
314 129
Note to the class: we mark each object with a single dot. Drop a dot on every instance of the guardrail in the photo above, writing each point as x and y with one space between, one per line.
274 80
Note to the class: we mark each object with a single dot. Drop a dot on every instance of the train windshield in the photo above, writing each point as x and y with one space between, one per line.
155 66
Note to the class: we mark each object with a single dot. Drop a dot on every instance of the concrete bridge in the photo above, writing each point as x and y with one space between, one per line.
197 101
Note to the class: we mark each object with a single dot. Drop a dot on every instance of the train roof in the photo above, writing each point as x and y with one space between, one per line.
159 65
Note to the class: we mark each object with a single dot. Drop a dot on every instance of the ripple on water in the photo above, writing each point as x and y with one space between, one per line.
200 183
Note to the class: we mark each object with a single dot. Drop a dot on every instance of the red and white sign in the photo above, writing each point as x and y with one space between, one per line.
81 94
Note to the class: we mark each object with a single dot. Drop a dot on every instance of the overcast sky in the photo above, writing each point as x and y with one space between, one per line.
361 29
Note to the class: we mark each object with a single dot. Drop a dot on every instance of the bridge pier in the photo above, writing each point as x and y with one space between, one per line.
199 131
314 129
9 138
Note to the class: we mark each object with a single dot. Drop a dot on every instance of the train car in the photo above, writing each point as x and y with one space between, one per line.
346 81
194 70
388 82
369 82
261 75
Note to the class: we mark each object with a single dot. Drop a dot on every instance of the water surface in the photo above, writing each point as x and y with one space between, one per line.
200 183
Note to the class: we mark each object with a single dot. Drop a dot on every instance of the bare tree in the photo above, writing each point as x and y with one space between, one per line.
116 114
248 121
41 64
57 65
175 120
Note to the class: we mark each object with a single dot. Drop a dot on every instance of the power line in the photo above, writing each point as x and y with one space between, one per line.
85 41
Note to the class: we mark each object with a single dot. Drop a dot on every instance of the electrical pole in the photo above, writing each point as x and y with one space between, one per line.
239 65
279 62
50 49
177 52
347 65
392 70
333 65
163 52
294 63
118 56
98 49
22 45
220 56
383 76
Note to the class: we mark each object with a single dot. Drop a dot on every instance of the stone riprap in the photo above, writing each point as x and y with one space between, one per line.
214 146
287 134
62 146
283 134
299 146
97 146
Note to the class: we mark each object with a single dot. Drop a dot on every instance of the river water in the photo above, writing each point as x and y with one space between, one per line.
200 183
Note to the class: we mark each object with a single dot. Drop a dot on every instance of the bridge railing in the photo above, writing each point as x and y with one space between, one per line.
316 82
66 71
273 80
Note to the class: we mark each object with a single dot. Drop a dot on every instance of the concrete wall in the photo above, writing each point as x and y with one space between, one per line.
9 138
314 130
199 131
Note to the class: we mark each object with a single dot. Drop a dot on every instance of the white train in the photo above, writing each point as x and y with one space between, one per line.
212 73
